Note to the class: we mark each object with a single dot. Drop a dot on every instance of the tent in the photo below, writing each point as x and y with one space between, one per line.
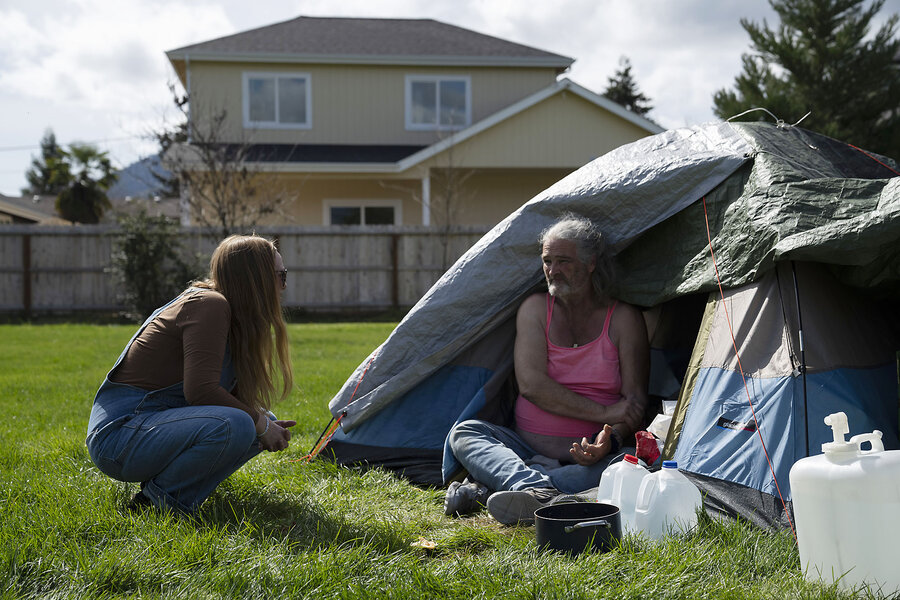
804 230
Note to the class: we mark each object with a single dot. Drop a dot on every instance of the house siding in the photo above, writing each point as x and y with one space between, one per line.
310 194
565 131
487 197
353 104
479 198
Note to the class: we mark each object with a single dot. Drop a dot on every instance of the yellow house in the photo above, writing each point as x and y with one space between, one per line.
398 121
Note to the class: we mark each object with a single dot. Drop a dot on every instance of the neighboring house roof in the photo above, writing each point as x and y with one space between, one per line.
27 211
153 207
334 153
369 41
396 159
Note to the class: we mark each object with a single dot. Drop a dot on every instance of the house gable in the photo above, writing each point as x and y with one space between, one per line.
563 126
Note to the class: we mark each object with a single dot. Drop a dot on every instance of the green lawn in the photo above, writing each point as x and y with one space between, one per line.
281 528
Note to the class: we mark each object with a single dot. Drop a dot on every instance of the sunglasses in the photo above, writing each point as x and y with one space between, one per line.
282 274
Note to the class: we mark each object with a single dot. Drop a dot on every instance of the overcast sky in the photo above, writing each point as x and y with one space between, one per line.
95 70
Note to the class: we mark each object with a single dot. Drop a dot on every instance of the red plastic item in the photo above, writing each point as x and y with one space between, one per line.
647 448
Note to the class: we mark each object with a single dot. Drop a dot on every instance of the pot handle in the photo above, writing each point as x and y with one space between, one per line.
583 524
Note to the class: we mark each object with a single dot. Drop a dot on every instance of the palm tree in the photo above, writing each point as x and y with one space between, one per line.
91 173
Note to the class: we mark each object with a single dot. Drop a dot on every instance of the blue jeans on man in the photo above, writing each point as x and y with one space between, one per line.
501 460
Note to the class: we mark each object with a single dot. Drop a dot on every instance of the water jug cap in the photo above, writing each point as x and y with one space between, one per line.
670 464
631 458
839 427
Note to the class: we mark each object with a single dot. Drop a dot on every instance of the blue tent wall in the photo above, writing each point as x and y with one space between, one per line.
409 435
730 445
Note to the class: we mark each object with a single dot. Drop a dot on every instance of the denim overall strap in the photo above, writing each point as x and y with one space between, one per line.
116 403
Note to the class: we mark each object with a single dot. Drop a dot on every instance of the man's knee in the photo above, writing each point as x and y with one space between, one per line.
462 432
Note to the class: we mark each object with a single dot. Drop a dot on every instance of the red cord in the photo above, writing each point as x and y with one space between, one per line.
875 159
741 371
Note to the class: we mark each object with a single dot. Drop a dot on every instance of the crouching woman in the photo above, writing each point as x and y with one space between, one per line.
188 401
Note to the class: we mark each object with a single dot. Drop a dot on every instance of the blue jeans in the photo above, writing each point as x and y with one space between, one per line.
179 454
497 457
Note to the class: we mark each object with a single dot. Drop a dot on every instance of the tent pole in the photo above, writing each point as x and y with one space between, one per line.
802 356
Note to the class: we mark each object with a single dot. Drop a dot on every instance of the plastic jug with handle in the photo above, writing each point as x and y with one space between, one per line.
619 485
667 503
847 510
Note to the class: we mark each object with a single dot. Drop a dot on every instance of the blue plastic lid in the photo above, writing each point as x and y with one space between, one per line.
670 464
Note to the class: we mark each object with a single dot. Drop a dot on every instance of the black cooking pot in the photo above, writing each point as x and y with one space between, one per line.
574 527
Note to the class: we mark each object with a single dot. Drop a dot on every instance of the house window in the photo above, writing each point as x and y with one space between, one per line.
362 212
438 103
277 100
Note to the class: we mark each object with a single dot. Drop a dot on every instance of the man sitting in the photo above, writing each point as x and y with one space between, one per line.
581 364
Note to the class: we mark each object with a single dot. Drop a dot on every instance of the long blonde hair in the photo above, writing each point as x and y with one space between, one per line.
242 269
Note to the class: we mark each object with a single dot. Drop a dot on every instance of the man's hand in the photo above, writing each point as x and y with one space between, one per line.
628 412
277 436
587 453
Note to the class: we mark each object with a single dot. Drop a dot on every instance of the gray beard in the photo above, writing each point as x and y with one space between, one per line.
559 289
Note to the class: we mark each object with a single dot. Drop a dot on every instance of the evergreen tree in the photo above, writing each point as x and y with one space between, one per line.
821 60
48 174
622 89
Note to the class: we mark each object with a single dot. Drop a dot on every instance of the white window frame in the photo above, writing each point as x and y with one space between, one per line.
276 124
328 204
436 79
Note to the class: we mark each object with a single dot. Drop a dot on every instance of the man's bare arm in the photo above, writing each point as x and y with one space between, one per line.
629 333
536 386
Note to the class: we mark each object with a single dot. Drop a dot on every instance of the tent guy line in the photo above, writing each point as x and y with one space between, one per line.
737 356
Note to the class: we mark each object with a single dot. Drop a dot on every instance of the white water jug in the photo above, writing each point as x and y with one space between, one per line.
847 511
619 485
667 503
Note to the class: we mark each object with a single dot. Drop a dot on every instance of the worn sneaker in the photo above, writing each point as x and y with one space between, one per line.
465 498
517 507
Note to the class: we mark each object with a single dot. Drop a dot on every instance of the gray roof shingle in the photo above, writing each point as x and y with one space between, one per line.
326 39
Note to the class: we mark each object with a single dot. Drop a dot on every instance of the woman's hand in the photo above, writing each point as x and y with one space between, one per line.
587 453
277 436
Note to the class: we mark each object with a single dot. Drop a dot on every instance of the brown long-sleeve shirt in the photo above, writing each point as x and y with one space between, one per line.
185 342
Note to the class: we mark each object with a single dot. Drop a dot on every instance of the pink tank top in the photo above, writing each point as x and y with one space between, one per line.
591 370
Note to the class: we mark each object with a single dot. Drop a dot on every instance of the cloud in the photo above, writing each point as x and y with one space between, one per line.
96 69
103 55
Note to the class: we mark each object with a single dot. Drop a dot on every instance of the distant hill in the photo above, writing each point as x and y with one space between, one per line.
137 181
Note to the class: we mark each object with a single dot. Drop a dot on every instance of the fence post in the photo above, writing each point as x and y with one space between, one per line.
395 270
26 275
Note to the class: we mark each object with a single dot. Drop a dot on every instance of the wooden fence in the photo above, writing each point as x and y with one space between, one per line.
66 269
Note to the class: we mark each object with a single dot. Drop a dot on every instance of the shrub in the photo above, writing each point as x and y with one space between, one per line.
149 262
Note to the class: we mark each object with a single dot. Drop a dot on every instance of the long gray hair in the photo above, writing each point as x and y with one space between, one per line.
589 243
